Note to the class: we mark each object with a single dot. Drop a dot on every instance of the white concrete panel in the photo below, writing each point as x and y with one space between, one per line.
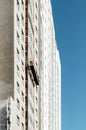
6 48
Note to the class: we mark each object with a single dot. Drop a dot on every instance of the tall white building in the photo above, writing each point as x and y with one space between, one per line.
26 63
33 102
50 71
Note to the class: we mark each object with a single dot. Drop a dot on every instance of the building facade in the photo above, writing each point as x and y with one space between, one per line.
32 90
26 66
50 79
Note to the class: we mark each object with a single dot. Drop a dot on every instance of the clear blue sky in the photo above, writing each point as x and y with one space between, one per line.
70 26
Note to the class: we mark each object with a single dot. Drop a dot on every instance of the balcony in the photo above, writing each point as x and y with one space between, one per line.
33 69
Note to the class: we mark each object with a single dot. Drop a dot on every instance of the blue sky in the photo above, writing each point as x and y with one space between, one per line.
70 26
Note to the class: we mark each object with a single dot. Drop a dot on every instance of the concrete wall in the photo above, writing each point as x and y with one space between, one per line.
3 115
6 48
